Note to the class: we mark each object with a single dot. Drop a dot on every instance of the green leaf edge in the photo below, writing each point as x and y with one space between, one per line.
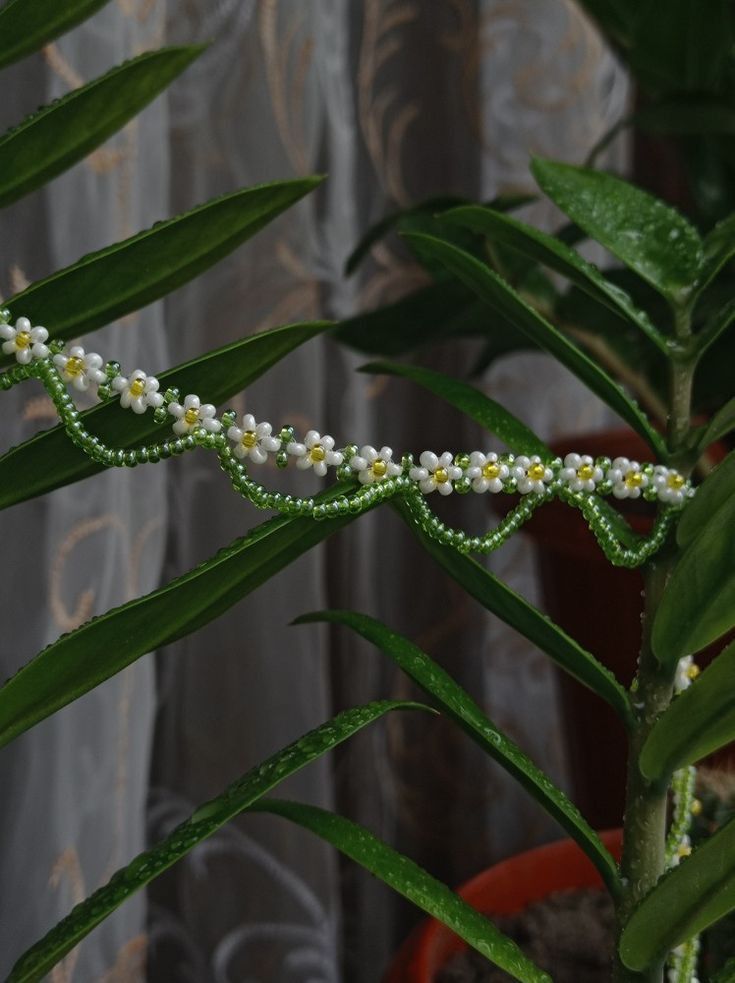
464 711
206 820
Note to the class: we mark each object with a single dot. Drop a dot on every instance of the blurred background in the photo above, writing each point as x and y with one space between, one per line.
395 100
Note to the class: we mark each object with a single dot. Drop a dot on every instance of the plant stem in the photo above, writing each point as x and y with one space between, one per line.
644 845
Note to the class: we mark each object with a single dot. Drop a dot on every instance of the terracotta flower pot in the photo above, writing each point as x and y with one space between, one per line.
504 889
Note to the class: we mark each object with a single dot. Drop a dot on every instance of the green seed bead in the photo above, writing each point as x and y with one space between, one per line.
462 486
462 461
282 459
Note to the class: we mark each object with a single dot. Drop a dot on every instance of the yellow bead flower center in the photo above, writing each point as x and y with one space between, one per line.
536 472
697 807
191 416
586 472
684 850
137 388
441 476
491 470
633 479
249 438
74 366
23 339
693 671
675 481
379 468
317 453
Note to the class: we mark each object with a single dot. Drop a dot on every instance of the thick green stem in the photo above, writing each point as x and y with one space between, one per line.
644 846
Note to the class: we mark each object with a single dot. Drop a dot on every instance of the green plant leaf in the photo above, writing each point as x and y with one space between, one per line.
719 246
515 611
49 459
428 207
555 254
475 404
726 974
714 492
26 25
715 326
41 957
698 603
128 275
688 899
411 881
699 721
460 706
433 313
644 233
81 660
59 135
495 292
719 426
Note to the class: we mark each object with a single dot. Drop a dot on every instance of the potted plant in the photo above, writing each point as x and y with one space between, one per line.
663 897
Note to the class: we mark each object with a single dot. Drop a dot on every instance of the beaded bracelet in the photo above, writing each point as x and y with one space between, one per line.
578 479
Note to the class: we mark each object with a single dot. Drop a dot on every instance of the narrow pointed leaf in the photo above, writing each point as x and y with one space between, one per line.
555 254
59 135
436 313
26 25
208 818
698 604
515 611
411 881
81 660
720 425
494 291
644 233
130 274
50 460
714 492
687 900
429 206
460 706
716 326
475 404
719 244
699 721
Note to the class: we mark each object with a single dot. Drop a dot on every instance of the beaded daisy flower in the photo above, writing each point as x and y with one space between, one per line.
436 473
372 465
24 341
194 415
80 368
316 452
253 440
138 391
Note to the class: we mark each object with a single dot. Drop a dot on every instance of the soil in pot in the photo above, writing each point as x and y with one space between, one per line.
570 934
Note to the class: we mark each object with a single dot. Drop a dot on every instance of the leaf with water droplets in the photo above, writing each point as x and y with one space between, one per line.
26 25
687 900
499 295
52 139
699 721
485 411
43 956
87 656
460 706
49 460
644 233
515 611
550 251
127 275
411 881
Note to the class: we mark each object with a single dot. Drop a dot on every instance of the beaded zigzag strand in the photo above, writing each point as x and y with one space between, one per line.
578 480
